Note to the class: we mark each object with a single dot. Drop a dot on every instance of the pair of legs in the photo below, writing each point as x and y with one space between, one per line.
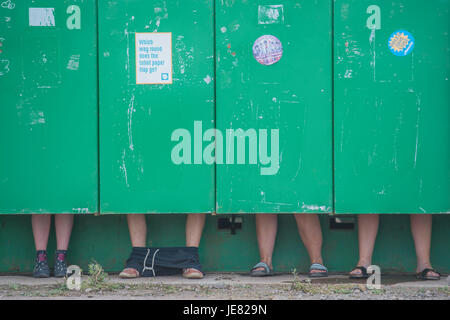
41 230
137 227
421 225
308 227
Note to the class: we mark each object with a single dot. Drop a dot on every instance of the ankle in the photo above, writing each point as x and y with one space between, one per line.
423 266
364 263
268 262
41 255
317 260
61 255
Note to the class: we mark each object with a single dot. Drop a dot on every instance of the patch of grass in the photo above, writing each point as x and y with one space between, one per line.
97 276
304 285
445 290
59 290
168 289
14 287
158 287
421 290
205 290
377 291
342 288
34 291
244 286
98 279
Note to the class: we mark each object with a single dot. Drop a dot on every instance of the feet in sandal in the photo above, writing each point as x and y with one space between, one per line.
318 270
261 269
360 274
192 273
428 274
129 273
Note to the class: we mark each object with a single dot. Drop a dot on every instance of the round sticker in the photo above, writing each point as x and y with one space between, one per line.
401 43
267 50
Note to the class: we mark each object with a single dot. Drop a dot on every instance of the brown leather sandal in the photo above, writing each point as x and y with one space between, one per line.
192 273
129 273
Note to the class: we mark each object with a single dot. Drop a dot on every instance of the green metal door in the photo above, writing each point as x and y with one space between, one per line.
156 94
392 106
48 98
274 68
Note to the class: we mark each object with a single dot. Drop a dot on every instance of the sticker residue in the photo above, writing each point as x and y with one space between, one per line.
8 5
270 14
74 62
42 17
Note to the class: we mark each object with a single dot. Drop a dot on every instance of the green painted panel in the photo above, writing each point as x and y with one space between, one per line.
48 116
106 239
292 96
392 133
137 174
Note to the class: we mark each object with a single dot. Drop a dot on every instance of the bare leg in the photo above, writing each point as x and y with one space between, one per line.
41 229
367 233
137 227
421 225
194 229
311 234
63 226
266 231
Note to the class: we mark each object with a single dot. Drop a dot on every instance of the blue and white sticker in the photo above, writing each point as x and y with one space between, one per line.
401 43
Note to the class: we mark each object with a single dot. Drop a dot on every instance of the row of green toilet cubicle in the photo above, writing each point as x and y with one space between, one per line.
333 107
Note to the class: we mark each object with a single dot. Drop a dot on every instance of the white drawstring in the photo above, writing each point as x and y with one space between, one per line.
153 262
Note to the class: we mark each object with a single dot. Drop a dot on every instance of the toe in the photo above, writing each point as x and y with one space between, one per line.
432 274
129 273
317 271
356 272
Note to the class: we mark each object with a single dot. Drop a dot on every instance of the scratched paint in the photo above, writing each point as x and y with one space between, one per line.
123 168
48 88
136 123
391 144
36 117
4 66
131 110
278 96
207 79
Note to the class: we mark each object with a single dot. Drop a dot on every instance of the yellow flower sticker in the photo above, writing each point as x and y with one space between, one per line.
401 43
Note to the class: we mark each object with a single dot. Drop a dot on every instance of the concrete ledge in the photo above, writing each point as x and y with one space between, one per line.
233 279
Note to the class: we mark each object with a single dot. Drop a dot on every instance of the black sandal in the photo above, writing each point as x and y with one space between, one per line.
424 275
363 275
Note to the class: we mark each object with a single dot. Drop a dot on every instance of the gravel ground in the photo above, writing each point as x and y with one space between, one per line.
226 287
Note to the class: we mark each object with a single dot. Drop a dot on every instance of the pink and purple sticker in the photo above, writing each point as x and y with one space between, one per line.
267 50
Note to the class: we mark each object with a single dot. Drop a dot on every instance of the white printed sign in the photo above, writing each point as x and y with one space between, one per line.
41 17
154 58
